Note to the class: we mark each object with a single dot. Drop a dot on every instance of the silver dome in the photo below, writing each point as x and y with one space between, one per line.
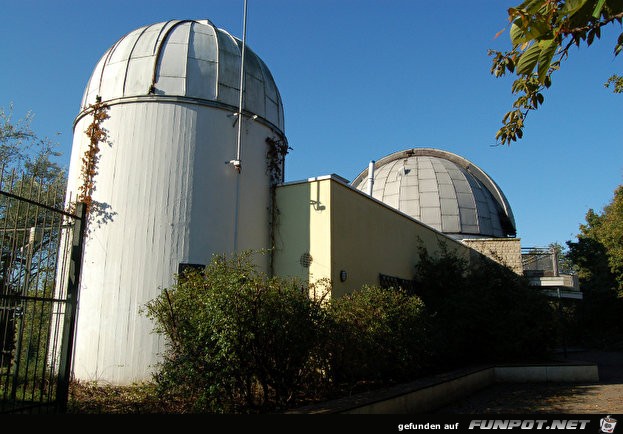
185 58
442 190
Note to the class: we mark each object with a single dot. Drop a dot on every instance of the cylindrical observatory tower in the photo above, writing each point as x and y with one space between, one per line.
168 189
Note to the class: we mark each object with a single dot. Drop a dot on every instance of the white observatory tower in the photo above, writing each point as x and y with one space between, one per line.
169 190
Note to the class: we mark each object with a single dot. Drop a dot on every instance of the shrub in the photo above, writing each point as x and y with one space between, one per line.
375 335
485 313
237 340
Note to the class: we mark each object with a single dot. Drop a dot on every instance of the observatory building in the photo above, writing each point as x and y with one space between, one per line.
443 190
450 194
168 191
184 175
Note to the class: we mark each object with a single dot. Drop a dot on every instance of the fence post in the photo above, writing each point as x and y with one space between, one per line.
69 324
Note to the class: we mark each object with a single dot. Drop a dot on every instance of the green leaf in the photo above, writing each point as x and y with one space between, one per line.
619 46
535 29
531 6
572 6
548 49
528 60
517 35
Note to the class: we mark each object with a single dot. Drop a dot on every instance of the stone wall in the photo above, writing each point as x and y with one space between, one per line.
506 251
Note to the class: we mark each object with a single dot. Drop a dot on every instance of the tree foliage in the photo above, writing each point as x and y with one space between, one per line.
23 151
542 32
28 170
484 313
604 231
598 256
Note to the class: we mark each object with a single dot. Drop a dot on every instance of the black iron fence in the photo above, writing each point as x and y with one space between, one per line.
40 248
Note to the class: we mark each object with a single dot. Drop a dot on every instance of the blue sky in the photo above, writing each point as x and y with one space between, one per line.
360 79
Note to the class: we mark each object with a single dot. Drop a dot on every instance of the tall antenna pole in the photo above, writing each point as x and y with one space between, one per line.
238 162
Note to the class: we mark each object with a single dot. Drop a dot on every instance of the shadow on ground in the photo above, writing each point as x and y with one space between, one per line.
602 397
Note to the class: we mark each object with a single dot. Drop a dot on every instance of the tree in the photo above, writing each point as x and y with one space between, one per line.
26 170
603 233
22 150
565 264
542 32
29 237
598 256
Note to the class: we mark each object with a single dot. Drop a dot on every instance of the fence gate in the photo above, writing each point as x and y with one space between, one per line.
40 248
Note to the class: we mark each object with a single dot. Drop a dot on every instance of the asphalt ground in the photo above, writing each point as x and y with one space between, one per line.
603 397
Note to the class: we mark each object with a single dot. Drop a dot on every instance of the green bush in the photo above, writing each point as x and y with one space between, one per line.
376 335
237 339
483 313
240 341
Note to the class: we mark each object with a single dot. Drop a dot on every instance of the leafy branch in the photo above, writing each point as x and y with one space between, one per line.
542 32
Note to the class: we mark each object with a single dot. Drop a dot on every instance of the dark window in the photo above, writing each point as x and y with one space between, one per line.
181 268
396 282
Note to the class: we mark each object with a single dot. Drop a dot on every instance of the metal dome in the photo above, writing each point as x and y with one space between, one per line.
442 190
185 58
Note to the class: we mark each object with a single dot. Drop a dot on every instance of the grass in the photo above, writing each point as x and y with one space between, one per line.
137 398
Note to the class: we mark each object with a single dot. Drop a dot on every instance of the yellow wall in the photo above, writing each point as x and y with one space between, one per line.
344 229
291 229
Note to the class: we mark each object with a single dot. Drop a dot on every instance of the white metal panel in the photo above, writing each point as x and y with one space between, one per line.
121 52
410 207
138 76
429 199
229 61
112 81
443 178
447 191
203 83
170 86
203 45
180 34
254 96
451 223
146 44
449 206
273 113
172 62
428 185
391 200
228 95
92 88
269 84
431 216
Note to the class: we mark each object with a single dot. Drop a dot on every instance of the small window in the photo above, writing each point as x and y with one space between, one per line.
387 282
182 268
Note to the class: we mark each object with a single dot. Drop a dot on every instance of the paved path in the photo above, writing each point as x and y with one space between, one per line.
604 397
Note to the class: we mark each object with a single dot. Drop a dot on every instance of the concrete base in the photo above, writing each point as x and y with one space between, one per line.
431 393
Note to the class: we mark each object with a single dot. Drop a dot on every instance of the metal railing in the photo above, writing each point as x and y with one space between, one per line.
40 247
539 261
